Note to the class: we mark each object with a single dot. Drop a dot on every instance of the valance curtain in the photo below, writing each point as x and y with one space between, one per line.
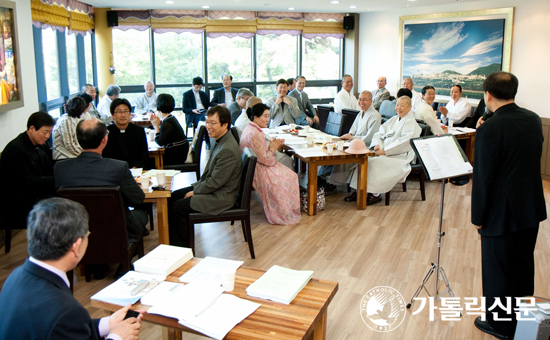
62 14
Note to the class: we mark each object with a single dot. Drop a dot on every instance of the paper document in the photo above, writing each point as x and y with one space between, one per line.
442 158
280 284
163 260
164 291
460 131
208 270
310 152
121 292
167 173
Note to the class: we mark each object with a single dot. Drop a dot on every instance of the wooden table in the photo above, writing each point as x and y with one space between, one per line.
156 152
304 318
141 120
470 138
337 157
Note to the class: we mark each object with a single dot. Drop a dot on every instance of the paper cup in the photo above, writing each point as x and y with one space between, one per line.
330 148
340 146
161 178
144 182
451 123
292 126
310 139
329 139
228 280
306 129
151 136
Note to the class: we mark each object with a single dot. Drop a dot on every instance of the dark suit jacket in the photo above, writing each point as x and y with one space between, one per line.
37 304
218 187
304 104
130 146
189 103
235 110
507 193
170 132
92 170
28 171
219 96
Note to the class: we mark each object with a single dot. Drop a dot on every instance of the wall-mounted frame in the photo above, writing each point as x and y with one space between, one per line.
443 49
11 95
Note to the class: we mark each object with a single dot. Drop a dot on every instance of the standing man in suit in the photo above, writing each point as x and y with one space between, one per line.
225 95
218 187
90 169
35 301
308 114
195 103
380 94
239 105
283 110
507 200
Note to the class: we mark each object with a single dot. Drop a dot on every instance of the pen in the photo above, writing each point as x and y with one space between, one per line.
139 288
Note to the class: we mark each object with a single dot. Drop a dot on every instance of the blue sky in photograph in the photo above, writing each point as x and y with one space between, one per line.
460 46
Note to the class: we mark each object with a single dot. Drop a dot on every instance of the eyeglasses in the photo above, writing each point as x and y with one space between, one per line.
122 112
211 122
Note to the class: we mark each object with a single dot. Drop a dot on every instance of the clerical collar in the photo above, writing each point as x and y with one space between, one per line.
122 131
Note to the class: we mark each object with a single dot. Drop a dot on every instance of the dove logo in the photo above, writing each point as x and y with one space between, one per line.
382 309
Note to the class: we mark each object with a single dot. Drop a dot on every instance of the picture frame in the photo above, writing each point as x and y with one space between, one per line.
11 94
443 49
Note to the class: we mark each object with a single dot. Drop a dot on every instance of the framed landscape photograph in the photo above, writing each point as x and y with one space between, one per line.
10 66
462 48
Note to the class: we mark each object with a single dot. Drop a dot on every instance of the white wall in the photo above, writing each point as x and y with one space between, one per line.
14 122
379 47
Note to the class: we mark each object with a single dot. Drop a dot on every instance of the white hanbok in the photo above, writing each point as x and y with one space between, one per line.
394 136
426 113
145 104
416 100
457 111
345 100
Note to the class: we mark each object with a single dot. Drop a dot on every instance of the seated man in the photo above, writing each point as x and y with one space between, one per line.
103 107
308 114
195 103
242 122
380 94
291 84
366 124
416 98
392 146
127 141
457 109
90 169
225 95
345 99
89 89
426 113
283 110
218 187
27 167
147 102
236 108
57 237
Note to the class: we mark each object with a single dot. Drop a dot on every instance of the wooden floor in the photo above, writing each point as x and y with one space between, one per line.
380 246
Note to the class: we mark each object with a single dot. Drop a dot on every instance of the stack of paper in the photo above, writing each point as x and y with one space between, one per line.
163 260
129 288
167 173
208 270
280 284
164 291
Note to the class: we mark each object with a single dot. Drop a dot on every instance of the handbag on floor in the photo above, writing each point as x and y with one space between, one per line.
320 199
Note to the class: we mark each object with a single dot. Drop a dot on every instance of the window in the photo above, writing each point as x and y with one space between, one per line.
321 92
266 91
51 63
72 62
131 57
178 57
176 92
89 58
321 58
276 57
229 56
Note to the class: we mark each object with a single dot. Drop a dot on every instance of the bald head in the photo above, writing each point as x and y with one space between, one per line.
149 88
252 101
408 83
403 106
381 82
365 100
91 133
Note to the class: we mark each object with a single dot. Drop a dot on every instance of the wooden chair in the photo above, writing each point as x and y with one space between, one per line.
108 241
241 210
197 150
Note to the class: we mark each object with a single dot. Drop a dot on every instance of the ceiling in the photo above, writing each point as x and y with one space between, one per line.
311 6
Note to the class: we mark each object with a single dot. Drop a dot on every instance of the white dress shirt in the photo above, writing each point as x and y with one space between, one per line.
457 111
228 97
242 121
416 100
345 100
103 107
200 105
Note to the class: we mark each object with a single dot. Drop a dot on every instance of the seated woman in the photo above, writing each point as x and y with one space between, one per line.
88 100
169 132
65 144
275 183
426 113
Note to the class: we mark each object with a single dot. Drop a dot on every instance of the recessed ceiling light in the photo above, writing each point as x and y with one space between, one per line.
205 6
352 6
291 8
368 9
335 2
169 2
407 5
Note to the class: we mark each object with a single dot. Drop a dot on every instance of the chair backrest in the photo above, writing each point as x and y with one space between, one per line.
235 133
334 123
322 113
108 242
387 109
197 148
349 118
247 177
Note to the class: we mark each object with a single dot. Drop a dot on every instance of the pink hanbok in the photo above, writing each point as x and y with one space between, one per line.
276 184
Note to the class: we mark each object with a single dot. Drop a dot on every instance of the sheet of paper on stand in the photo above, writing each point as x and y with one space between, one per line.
162 292
189 301
129 288
208 270
310 152
163 260
280 284
459 131
136 172
167 173
442 158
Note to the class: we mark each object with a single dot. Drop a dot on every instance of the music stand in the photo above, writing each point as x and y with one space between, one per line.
441 158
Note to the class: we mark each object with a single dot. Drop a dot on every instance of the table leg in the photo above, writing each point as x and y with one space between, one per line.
312 188
171 334
362 183
320 328
302 166
470 144
162 215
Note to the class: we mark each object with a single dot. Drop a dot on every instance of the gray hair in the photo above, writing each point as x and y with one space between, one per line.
147 82
86 86
366 92
113 90
406 99
53 226
244 92
345 76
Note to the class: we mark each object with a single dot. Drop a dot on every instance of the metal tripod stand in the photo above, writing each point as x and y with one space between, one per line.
435 266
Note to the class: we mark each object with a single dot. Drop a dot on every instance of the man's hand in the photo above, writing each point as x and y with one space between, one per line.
309 121
379 152
286 100
443 110
478 226
195 111
117 317
376 148
347 136
279 99
479 122
128 329
189 194
445 128
316 119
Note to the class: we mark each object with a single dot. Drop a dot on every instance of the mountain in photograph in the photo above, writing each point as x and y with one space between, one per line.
485 70
450 72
